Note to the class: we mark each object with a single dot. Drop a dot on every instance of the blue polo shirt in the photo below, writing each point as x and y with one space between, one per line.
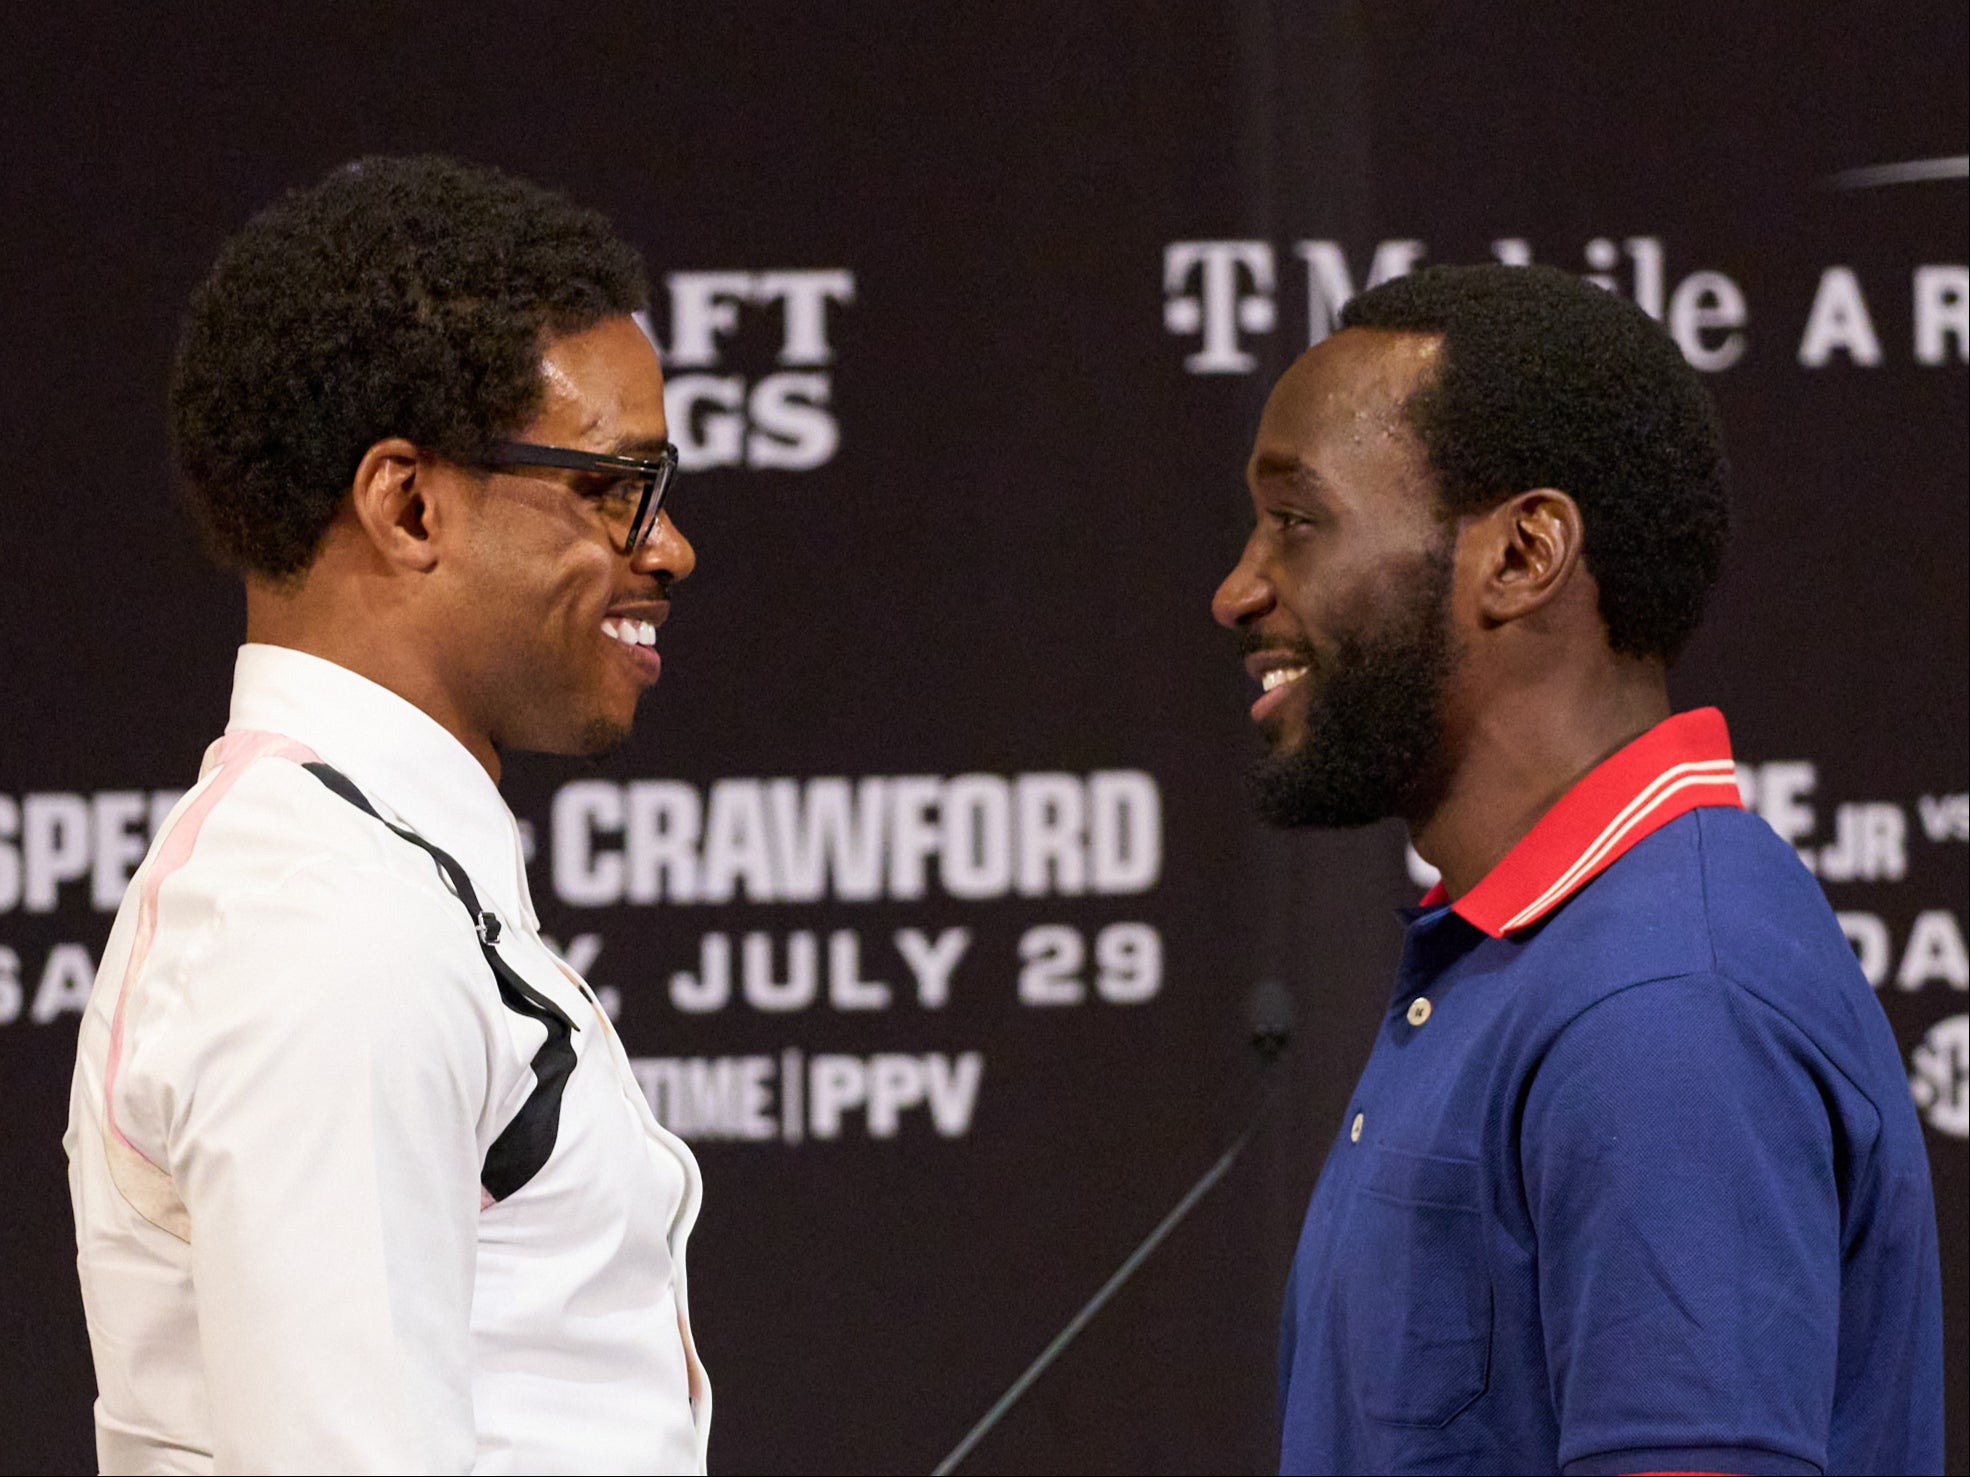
1632 1181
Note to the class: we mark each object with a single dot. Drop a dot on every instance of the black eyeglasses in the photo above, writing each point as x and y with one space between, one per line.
636 486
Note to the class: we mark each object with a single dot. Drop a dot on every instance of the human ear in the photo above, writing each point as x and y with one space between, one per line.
1536 541
389 498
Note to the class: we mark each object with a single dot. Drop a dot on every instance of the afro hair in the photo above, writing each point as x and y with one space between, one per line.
1549 381
398 297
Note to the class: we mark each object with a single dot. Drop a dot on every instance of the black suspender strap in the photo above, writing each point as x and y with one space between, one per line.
525 1144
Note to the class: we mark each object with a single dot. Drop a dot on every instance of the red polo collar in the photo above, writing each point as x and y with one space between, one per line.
1680 764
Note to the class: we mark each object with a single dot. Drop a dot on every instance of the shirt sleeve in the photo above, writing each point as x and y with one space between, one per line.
1679 1169
330 1083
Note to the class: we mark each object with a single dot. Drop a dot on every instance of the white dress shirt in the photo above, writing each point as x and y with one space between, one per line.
291 1071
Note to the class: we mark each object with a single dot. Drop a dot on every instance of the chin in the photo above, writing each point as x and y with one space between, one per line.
601 735
595 737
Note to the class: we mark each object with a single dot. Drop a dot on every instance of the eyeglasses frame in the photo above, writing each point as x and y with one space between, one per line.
657 474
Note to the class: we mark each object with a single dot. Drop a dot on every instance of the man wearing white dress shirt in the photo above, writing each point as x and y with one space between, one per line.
362 1181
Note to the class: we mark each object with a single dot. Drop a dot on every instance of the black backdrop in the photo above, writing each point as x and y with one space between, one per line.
983 305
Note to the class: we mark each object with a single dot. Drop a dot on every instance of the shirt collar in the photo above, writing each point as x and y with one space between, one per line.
1682 763
404 760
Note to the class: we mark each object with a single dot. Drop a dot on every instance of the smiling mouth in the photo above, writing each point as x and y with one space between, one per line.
1276 684
631 632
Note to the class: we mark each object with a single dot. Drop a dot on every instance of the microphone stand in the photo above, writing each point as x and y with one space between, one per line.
1269 1041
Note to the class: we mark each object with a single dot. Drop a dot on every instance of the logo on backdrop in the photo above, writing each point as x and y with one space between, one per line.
1940 1064
952 846
1226 296
748 365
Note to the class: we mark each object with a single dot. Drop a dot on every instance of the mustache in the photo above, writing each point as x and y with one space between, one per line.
660 592
1251 643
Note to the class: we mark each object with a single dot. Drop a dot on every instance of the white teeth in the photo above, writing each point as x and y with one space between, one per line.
629 632
1280 676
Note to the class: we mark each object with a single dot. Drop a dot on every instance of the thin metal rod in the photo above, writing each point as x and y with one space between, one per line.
1109 1288
1909 172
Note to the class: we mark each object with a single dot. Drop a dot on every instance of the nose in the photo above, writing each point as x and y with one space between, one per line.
1244 596
666 552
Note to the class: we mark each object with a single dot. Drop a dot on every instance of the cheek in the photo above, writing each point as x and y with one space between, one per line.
1322 586
560 580
584 579
546 602
546 546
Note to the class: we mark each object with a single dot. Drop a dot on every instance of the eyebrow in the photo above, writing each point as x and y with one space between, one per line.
643 448
1270 465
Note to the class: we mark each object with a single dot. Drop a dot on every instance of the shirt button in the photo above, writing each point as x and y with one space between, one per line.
1419 1010
1354 1129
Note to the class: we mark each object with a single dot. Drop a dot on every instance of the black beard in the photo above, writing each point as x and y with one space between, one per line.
1373 745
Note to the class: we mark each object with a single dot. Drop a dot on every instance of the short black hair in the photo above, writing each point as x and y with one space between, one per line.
398 297
1546 380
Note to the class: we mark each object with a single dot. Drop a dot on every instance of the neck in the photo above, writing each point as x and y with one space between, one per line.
1522 751
366 631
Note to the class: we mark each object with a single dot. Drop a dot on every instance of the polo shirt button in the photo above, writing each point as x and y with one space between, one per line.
1354 1129
1419 1010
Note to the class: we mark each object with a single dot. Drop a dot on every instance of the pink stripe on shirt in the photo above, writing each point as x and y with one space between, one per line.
231 757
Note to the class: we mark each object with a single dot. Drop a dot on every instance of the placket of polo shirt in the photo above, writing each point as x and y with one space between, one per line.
1434 942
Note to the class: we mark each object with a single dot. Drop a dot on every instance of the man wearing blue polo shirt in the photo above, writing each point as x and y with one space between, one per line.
1632 1181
